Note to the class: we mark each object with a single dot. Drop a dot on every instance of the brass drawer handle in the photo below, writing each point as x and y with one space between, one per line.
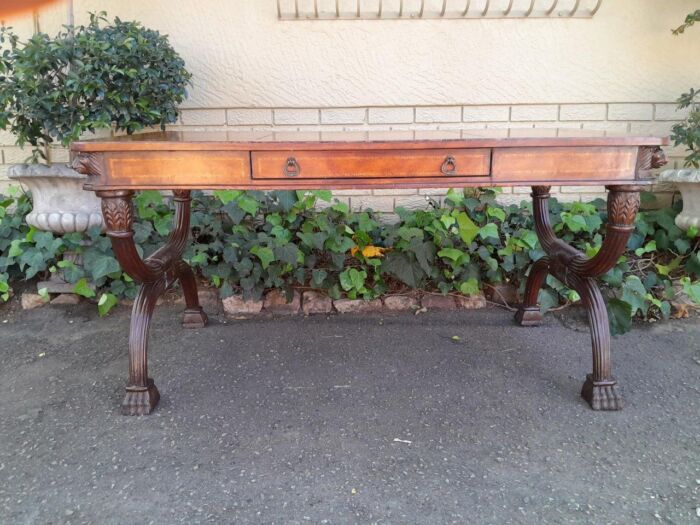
449 166
291 168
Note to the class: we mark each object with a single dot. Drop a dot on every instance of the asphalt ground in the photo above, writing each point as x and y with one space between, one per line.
457 417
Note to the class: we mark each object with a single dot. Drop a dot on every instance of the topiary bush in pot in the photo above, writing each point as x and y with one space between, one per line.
117 76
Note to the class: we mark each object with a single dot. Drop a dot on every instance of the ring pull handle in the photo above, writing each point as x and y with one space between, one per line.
291 167
449 166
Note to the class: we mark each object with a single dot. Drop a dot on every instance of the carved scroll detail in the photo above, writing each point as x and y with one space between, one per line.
650 157
87 164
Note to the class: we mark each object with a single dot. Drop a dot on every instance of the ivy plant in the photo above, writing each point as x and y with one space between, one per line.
250 242
117 75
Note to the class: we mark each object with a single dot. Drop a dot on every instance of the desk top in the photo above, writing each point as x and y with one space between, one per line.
364 159
321 140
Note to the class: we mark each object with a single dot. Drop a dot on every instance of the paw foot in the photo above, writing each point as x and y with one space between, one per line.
602 395
194 318
528 316
140 401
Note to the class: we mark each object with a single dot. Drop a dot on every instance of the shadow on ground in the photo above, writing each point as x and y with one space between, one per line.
344 419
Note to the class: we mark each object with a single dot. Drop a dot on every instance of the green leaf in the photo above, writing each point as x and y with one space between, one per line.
266 255
352 279
226 196
634 293
424 252
106 303
83 288
15 249
467 229
288 253
648 248
575 223
451 253
248 204
286 199
324 195
455 197
492 211
340 207
447 220
469 287
317 277
620 316
489 230
529 237
682 245
691 289
692 265
145 200
340 245
667 269
102 266
547 300
400 266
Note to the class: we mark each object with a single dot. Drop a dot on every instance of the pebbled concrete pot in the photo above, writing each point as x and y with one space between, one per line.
60 204
688 183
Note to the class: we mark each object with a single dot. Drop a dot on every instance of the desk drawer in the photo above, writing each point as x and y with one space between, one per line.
370 164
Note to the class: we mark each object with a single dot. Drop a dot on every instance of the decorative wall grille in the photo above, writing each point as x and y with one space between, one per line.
433 9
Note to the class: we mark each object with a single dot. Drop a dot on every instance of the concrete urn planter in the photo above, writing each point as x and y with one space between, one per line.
60 205
688 183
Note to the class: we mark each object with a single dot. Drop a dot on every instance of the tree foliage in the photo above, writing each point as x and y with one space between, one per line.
687 133
103 75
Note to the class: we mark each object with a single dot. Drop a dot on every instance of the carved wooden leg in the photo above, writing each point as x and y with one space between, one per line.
156 274
141 393
529 313
579 272
194 316
600 388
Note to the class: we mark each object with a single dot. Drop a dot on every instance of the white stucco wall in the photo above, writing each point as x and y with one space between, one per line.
241 55
621 69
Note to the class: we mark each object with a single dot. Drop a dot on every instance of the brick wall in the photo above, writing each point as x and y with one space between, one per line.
519 120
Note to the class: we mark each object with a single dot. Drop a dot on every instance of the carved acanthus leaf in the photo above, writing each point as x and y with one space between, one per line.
622 207
118 213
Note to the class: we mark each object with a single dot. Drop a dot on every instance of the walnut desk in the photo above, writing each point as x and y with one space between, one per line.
183 161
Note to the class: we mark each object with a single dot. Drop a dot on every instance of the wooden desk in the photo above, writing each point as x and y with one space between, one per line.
263 160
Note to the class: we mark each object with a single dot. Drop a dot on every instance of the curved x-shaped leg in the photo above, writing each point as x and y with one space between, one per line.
155 274
577 271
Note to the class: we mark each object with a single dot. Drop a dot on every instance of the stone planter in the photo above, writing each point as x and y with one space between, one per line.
60 205
688 183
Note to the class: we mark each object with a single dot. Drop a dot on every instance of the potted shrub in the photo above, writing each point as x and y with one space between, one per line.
117 76
687 133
